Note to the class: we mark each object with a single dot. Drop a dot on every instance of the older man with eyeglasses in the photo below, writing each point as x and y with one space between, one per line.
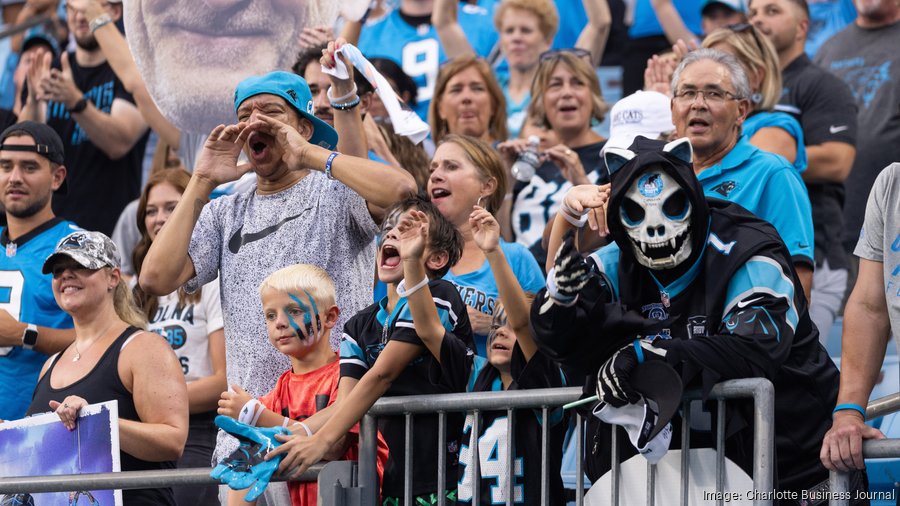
709 105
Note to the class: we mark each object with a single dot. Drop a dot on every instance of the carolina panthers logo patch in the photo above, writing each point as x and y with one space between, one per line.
725 188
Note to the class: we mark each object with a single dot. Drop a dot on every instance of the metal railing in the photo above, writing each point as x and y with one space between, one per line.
345 488
882 449
760 390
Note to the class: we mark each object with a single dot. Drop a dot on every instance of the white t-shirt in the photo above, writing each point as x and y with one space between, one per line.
248 236
187 328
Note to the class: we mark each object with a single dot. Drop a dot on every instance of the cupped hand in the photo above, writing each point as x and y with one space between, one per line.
412 232
293 145
485 229
217 161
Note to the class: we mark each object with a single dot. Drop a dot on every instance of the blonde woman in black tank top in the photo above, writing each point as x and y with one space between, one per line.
113 359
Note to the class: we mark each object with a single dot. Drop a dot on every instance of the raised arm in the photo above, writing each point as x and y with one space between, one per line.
119 57
115 132
151 371
596 32
347 122
168 264
672 24
445 19
412 233
486 233
380 185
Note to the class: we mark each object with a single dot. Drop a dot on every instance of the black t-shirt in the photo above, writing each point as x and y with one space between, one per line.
363 340
825 108
462 370
99 187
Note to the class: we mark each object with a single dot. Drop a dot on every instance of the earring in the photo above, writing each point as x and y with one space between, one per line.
756 98
478 203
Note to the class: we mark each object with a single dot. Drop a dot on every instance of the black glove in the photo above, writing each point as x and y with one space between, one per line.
613 378
570 273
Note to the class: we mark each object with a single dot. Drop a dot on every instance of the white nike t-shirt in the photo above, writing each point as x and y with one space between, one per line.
248 236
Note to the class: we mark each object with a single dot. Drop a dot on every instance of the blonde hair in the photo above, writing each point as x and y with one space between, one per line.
497 124
126 308
487 163
302 277
548 17
582 69
756 53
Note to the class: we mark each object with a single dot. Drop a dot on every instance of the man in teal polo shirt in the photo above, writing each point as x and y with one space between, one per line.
710 102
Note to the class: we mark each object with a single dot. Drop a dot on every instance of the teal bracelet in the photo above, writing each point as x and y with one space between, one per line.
330 159
855 407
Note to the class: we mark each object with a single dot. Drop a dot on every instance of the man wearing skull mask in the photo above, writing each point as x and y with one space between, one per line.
706 287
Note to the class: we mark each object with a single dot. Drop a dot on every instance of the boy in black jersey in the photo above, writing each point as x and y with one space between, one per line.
381 354
513 363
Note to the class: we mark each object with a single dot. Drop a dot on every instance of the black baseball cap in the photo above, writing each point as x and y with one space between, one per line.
658 382
47 143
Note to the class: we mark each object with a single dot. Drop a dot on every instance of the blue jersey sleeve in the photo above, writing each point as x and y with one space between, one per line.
785 122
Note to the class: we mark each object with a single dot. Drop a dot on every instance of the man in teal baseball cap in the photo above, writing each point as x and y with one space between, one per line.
294 90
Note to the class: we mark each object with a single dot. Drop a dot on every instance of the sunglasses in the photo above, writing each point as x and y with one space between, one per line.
555 54
746 27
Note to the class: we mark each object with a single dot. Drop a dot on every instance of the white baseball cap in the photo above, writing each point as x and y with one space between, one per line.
646 113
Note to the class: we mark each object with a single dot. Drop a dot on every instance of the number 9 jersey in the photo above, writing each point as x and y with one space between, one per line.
26 294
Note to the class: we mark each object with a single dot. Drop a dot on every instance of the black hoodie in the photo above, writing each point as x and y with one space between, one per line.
762 336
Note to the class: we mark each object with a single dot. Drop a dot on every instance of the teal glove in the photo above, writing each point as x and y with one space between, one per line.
246 467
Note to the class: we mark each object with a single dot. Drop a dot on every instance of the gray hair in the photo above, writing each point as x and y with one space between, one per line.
735 70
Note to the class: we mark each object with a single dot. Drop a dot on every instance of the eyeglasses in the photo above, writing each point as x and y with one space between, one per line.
712 96
554 54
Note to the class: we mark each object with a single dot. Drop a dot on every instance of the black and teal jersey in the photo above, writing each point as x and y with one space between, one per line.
363 341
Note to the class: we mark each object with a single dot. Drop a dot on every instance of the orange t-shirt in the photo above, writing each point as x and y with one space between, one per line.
298 397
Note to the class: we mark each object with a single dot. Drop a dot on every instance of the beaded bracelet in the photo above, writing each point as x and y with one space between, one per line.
328 162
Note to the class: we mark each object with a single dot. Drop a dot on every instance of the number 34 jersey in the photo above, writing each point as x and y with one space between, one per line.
187 326
26 294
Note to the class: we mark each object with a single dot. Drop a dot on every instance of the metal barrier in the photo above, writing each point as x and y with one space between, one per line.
760 390
340 486
886 448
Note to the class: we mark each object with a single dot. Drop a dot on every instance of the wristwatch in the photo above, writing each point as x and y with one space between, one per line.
29 337
79 106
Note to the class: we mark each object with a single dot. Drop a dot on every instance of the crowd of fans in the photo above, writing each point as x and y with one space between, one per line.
308 257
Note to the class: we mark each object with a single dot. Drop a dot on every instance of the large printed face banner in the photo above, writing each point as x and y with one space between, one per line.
41 445
192 53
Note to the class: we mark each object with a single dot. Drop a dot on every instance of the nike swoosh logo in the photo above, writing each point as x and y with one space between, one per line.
744 303
237 240
835 129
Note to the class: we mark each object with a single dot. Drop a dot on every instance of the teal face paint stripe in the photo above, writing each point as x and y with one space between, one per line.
315 309
307 319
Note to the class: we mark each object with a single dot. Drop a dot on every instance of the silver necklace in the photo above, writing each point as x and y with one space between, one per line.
77 356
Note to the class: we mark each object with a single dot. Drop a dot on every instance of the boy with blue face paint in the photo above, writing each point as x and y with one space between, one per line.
300 312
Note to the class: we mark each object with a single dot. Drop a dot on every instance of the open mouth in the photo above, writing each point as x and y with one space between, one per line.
698 123
259 145
439 193
499 347
568 108
390 256
665 249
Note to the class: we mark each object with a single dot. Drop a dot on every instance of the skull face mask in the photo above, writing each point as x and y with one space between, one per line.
656 213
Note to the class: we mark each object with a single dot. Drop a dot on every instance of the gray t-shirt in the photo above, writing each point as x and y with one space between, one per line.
880 237
868 61
248 236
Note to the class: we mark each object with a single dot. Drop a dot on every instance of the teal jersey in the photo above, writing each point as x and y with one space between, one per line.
418 50
26 294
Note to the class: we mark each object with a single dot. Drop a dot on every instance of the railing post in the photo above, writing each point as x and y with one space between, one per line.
368 454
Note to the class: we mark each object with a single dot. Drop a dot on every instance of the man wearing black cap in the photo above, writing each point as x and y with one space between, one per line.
32 326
